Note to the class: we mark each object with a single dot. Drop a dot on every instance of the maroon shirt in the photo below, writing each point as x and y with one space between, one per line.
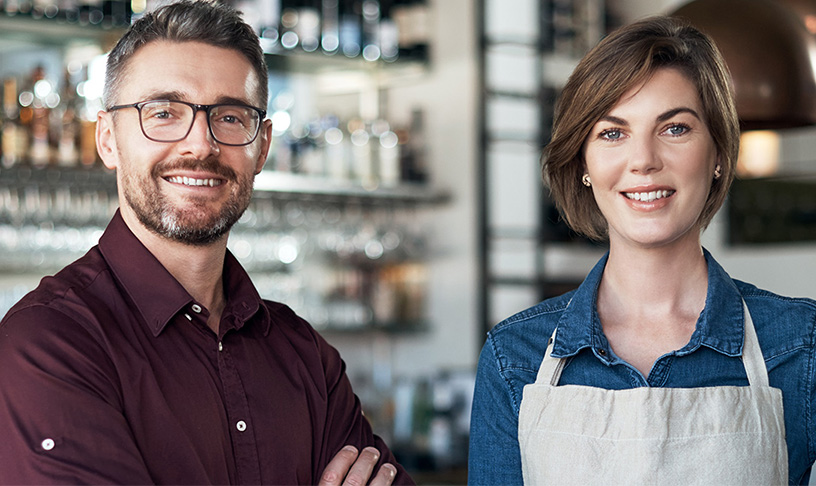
109 374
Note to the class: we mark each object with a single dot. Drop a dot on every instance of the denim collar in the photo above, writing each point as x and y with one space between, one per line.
719 327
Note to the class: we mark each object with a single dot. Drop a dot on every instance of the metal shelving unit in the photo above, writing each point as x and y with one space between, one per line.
527 50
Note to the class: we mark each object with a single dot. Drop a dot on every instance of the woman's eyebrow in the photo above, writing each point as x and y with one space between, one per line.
676 111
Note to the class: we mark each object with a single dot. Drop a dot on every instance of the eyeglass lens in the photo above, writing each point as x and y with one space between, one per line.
168 121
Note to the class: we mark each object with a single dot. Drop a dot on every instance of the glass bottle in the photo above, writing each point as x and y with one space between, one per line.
13 133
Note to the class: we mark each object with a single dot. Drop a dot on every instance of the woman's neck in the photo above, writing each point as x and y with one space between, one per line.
649 300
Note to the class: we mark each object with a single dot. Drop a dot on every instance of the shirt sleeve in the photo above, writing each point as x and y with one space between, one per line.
345 423
494 448
61 419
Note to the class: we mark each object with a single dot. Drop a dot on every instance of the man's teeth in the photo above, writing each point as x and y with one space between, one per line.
648 196
189 181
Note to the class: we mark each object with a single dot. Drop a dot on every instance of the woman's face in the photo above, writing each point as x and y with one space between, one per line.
651 162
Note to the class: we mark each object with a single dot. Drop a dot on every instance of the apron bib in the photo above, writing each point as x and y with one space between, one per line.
575 434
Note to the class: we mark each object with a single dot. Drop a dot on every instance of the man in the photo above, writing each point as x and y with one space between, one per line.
153 359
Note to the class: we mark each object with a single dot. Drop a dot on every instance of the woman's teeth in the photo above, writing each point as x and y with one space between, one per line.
648 196
189 181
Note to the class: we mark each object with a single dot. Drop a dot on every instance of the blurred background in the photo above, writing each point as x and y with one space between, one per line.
401 209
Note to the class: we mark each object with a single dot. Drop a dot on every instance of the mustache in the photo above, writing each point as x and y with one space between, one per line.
207 165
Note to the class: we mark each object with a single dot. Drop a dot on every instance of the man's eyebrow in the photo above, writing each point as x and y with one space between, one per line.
181 96
165 95
235 101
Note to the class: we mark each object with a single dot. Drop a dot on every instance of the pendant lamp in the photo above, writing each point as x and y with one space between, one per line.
771 56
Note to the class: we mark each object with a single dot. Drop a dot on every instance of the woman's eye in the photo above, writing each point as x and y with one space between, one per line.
678 129
611 134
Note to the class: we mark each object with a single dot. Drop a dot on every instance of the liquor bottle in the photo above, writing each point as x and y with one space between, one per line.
330 29
269 13
21 7
388 33
44 8
411 17
336 142
67 124
68 11
86 111
361 152
389 158
371 29
91 12
13 131
308 25
350 27
312 161
413 162
289 20
37 99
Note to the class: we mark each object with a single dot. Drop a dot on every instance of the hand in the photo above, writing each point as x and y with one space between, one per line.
353 469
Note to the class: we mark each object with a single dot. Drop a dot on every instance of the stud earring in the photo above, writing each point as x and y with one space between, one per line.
586 180
717 172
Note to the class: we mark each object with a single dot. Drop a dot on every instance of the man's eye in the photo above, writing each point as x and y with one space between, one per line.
158 113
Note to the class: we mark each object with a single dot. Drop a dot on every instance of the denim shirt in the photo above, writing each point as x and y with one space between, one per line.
515 347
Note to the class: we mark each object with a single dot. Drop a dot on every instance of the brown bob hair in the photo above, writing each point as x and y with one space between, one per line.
625 59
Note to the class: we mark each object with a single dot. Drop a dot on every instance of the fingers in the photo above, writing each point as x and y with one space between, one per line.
385 476
350 469
337 468
362 467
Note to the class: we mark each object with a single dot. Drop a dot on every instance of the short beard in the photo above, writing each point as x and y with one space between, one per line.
187 226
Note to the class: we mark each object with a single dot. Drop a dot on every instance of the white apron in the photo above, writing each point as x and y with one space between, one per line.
715 435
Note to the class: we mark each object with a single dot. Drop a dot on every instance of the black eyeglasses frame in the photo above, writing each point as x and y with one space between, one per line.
196 108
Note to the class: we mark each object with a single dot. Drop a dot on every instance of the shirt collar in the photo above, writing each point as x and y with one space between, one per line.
155 293
719 327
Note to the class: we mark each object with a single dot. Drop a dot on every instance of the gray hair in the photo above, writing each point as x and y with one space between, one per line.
204 21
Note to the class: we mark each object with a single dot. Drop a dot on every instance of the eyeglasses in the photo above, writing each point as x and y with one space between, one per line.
171 121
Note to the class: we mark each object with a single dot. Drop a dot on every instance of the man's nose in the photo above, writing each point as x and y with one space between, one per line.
200 142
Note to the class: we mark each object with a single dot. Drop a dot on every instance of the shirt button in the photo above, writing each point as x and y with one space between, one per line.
602 352
189 318
196 308
47 444
241 426
220 346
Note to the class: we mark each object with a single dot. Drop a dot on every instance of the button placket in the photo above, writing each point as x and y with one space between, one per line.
245 447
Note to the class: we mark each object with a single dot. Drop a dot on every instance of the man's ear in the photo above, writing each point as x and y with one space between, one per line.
106 140
265 136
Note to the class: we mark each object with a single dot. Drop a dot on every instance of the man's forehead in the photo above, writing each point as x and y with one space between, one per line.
188 69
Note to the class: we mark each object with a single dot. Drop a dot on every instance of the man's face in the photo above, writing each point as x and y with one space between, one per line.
191 191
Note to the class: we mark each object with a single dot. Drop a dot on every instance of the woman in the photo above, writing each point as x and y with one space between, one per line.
659 368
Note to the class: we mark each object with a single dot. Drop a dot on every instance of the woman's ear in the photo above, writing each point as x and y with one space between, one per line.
106 140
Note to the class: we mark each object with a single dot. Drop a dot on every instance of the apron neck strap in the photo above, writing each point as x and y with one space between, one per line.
550 370
752 354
